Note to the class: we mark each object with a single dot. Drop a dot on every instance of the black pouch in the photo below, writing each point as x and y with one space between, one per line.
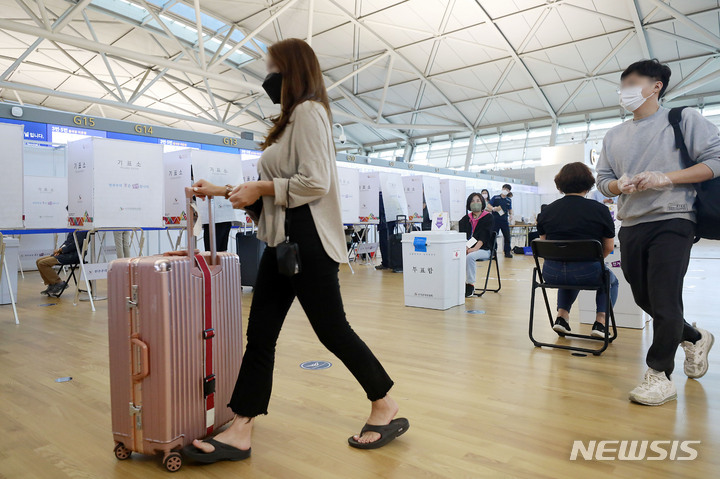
288 253
254 210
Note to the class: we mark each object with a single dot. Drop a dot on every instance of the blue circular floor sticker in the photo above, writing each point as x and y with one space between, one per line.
475 311
314 365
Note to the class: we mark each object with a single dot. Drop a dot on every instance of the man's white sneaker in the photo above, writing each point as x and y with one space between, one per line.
654 390
696 355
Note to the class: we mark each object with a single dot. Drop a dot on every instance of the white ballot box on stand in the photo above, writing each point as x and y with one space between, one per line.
627 313
434 269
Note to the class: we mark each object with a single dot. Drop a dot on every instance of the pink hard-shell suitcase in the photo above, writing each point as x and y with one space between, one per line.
175 331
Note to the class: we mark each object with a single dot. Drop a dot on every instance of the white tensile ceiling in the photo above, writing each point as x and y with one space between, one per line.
397 70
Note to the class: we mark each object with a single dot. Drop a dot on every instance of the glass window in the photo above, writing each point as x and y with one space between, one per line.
604 124
514 135
572 128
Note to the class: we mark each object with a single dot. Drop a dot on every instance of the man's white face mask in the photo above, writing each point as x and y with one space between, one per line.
631 97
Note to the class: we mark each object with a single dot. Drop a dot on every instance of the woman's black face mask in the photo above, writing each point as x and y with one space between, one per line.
273 86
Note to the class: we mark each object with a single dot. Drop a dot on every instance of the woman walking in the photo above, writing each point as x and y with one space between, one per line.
299 184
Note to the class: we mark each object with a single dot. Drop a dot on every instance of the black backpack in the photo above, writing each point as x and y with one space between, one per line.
707 202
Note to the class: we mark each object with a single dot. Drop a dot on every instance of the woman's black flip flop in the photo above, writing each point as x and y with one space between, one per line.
222 452
396 428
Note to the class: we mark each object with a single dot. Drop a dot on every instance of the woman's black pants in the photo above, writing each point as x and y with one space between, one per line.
318 290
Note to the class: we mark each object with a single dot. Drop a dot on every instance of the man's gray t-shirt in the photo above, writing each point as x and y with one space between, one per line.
636 146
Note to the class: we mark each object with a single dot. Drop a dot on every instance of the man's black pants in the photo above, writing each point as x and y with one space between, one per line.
505 228
655 258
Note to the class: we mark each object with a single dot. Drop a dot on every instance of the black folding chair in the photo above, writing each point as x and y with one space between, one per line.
70 268
571 251
493 259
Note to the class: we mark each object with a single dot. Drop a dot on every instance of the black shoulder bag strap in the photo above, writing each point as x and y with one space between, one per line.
675 119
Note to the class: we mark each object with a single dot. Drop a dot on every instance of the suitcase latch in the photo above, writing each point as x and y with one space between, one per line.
209 385
132 301
136 411
208 333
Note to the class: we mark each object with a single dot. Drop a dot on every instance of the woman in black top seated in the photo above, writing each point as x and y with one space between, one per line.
575 217
477 224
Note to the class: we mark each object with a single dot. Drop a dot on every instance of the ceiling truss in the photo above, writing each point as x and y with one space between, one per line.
203 77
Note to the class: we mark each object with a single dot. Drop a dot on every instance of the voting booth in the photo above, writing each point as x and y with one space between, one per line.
453 197
45 185
177 178
45 198
393 192
250 173
250 169
434 269
11 162
219 169
433 198
349 186
413 186
369 197
115 184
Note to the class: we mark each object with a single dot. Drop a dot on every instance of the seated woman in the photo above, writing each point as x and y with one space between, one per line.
574 217
477 224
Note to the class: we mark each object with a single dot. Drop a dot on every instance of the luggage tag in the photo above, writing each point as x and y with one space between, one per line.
197 226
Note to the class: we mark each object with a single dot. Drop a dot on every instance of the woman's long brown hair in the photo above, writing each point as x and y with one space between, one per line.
302 80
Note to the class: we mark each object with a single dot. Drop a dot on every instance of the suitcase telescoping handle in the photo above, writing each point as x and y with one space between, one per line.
144 356
189 193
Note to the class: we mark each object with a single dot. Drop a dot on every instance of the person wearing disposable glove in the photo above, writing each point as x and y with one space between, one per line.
640 163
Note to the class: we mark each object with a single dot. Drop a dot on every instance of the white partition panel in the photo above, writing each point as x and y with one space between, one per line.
220 169
453 198
11 162
394 201
115 184
349 185
413 186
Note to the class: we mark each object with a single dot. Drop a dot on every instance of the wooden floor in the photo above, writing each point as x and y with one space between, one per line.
481 400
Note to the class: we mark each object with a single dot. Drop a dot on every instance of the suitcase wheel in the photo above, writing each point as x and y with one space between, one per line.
172 461
122 452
